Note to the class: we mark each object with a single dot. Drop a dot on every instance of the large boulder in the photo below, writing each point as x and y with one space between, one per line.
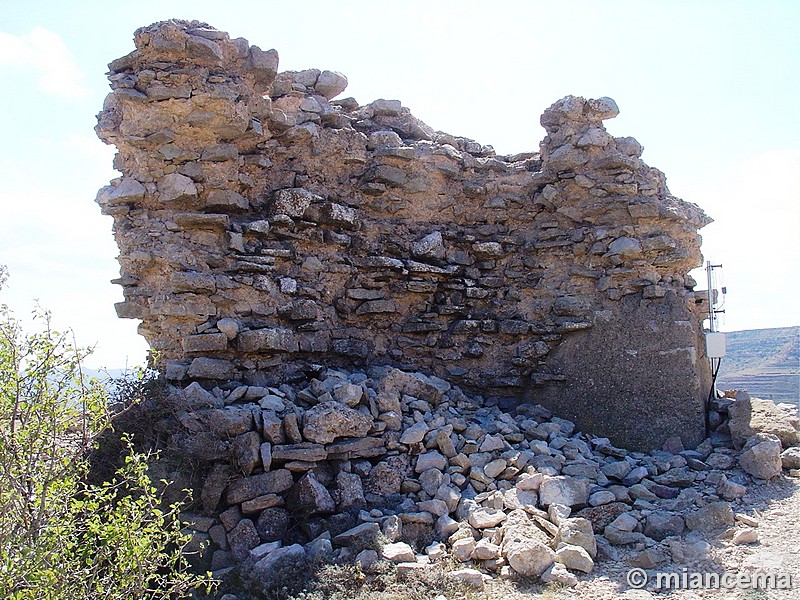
762 456
749 416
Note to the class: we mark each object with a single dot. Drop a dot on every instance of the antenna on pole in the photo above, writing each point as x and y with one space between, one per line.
713 311
715 341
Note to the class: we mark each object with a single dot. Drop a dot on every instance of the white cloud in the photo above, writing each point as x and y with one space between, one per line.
45 53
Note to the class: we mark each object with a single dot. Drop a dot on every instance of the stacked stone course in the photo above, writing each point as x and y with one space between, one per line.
265 227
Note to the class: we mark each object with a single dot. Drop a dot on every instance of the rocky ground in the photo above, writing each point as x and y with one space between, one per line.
775 506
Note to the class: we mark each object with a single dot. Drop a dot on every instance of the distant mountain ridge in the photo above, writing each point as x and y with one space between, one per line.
766 362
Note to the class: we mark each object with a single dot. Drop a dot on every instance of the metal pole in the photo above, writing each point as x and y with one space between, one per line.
711 324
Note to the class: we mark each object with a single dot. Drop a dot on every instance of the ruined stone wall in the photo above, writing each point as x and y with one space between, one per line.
265 228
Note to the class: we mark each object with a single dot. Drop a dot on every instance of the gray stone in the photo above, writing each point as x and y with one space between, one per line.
469 577
762 456
626 247
226 201
680 477
363 535
617 537
392 528
197 397
246 451
486 550
689 551
660 525
247 488
175 187
430 460
491 443
635 476
263 64
128 190
273 524
349 491
229 327
495 468
213 486
304 451
712 516
309 497
529 558
330 84
387 476
486 517
463 549
650 558
790 458
746 535
564 490
242 539
625 522
291 428
616 470
211 368
415 433
750 416
268 341
398 552
577 532
557 573
259 503
429 247
718 460
348 394
367 559
574 558
272 428
288 554
601 497
730 490
293 202
331 420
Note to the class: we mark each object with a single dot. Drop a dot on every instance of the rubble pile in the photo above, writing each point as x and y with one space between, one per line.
402 467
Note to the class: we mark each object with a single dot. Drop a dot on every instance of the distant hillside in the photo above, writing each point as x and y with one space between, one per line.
766 362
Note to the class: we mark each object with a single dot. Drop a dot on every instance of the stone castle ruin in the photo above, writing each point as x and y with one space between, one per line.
380 338
265 228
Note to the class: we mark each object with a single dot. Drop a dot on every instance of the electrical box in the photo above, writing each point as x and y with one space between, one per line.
715 344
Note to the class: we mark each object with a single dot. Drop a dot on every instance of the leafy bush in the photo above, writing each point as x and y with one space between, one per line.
60 535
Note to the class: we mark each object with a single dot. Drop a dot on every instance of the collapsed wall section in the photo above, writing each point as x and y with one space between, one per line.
265 228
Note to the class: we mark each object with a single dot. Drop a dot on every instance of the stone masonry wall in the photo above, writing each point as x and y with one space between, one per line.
265 228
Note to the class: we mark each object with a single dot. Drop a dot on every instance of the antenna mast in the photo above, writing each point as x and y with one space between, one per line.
715 341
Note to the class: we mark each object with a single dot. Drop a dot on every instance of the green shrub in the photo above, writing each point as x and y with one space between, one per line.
60 535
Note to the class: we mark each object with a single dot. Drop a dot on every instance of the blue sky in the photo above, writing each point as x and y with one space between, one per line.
709 88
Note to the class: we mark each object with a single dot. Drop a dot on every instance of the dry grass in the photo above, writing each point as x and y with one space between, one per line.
307 579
